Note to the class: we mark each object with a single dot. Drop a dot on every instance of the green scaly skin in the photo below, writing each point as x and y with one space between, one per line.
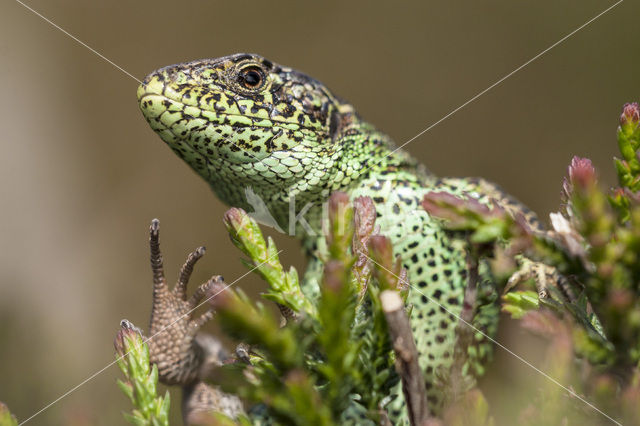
242 121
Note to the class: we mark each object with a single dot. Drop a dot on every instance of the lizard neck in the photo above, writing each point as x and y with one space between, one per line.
297 206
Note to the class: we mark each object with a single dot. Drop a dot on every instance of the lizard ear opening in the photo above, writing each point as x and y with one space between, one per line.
337 123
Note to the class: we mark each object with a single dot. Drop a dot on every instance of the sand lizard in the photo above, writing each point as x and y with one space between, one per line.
242 121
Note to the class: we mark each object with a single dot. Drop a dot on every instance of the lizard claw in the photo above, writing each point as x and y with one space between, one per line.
157 268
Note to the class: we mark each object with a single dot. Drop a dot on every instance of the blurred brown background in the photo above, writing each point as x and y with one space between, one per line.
82 174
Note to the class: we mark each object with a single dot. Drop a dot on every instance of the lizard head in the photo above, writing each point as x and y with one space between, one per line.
243 121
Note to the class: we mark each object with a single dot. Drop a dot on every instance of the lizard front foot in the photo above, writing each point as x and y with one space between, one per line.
184 356
544 276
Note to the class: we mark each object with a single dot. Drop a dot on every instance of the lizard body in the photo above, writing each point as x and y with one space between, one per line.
242 121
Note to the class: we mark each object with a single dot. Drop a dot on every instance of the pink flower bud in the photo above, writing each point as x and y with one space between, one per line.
630 114
234 218
338 203
381 248
581 172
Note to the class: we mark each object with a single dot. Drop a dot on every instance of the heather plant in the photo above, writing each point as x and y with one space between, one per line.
577 285
590 311
6 418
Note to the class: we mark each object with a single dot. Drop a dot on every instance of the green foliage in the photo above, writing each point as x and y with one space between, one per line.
6 418
335 361
594 315
142 379
628 168
284 287
375 357
610 228
518 303
336 309
254 324
485 224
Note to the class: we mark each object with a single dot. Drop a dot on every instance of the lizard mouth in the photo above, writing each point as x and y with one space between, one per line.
214 134
204 138
166 110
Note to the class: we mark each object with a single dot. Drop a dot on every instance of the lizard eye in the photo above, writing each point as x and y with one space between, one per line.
251 77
